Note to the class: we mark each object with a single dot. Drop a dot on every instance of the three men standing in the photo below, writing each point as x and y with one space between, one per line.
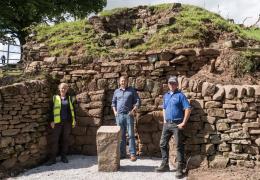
176 112
124 103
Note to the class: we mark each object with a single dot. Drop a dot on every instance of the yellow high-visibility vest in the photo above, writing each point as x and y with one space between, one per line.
57 109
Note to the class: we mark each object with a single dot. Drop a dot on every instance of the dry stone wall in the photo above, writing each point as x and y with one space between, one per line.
224 127
23 125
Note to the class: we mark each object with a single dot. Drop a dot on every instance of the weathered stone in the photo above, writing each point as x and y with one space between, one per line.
216 112
165 56
196 161
10 132
237 148
23 138
222 126
208 89
251 114
50 59
110 75
215 139
243 141
160 64
228 106
30 128
140 83
152 58
179 59
189 52
257 141
108 140
236 115
213 104
242 107
219 162
230 91
9 163
224 147
239 135
208 51
6 141
241 91
196 103
95 112
254 131
147 118
209 119
238 156
251 125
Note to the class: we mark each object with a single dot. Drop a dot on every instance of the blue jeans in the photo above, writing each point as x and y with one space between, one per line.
126 122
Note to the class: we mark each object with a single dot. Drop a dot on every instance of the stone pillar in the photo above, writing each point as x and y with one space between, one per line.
108 151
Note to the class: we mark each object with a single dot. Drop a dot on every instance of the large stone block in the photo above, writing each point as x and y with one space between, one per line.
236 115
108 141
230 91
213 104
219 162
208 89
216 112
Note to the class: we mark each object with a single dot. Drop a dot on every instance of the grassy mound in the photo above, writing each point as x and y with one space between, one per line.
193 27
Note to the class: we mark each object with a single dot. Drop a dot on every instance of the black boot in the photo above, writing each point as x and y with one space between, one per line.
164 167
64 159
179 170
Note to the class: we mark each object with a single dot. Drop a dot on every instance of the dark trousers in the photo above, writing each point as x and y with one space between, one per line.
170 129
60 133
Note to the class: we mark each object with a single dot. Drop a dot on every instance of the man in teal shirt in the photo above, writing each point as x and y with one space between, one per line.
176 112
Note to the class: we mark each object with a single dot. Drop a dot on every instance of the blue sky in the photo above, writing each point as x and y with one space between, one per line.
233 9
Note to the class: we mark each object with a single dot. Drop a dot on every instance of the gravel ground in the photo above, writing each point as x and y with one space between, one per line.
85 167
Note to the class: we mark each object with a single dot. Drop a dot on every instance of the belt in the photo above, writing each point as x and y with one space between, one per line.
123 112
171 121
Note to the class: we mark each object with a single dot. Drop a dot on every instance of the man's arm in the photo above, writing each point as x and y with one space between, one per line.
185 119
187 111
137 101
114 99
164 119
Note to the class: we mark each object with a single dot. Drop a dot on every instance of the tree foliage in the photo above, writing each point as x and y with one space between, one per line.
17 15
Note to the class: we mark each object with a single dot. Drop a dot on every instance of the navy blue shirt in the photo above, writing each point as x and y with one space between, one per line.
65 109
125 100
174 103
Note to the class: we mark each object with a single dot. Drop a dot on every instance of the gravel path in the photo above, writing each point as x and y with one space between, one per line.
85 167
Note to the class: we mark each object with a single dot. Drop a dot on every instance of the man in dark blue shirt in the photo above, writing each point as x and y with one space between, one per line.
176 112
125 101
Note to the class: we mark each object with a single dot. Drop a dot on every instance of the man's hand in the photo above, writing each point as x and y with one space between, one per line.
52 125
181 125
115 113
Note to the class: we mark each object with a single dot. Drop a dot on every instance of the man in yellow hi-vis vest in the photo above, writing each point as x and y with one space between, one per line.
62 120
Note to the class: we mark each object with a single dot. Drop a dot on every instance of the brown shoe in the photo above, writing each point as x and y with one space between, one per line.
133 158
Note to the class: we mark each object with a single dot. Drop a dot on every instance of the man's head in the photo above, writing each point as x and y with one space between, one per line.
123 82
173 83
63 88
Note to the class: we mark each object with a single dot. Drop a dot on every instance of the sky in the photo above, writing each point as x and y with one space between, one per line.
239 10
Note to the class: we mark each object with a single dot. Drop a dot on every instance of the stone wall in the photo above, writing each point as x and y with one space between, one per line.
23 110
224 127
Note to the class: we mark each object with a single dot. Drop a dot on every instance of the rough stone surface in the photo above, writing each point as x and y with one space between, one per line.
108 142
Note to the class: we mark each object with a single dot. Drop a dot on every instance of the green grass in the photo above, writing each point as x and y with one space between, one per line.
113 11
245 63
192 28
63 38
161 7
10 73
251 33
